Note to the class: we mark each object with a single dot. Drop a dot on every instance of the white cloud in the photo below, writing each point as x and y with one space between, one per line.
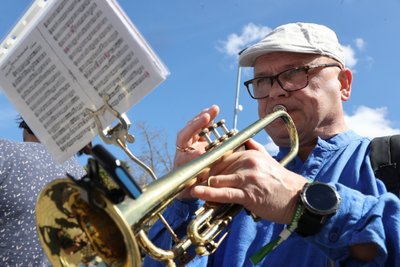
370 122
349 55
360 43
250 34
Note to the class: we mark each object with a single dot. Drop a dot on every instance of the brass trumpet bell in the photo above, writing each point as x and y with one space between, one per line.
75 233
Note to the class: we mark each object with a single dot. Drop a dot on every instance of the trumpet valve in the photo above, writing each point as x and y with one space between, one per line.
218 138
227 133
206 134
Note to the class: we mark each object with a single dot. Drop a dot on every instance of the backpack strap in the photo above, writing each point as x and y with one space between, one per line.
385 160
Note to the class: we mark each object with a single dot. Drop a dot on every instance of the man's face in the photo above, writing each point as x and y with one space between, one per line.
314 108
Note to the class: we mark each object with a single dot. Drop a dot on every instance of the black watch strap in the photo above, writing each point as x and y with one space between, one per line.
309 223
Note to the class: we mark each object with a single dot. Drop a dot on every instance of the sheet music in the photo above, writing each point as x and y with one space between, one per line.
76 52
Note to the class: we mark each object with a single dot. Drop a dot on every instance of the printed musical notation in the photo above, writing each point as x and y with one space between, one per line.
63 56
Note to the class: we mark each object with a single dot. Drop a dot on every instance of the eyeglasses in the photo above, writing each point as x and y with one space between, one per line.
290 80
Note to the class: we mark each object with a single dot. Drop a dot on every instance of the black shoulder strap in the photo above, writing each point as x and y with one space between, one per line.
385 160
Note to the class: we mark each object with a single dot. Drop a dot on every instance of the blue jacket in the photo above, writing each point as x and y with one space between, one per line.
366 214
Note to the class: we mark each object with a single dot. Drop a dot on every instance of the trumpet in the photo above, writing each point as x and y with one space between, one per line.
80 226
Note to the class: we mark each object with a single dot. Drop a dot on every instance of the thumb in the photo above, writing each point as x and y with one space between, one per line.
251 144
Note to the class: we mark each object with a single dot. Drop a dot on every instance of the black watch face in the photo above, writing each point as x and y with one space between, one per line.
321 198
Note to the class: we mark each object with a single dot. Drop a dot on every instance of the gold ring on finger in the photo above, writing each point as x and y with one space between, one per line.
184 149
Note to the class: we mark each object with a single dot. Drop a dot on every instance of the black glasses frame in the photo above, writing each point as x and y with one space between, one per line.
276 77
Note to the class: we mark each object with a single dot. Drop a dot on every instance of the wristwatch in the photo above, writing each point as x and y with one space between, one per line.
318 201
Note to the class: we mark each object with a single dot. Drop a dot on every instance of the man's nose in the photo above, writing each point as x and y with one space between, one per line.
276 90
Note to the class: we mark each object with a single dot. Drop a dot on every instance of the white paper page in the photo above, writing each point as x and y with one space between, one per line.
48 96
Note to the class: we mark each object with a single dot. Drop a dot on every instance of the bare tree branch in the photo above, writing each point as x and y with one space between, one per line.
154 153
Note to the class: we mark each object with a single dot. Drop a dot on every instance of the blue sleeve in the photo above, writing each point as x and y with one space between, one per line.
362 219
178 215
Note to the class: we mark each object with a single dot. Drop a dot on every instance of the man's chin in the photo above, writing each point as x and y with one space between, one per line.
282 143
281 139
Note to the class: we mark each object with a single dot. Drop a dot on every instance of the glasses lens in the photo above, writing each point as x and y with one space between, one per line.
293 79
259 87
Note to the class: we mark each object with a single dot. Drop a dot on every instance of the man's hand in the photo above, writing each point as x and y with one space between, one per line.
190 145
253 179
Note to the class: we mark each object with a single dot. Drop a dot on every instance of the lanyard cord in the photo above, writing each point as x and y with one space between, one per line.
286 232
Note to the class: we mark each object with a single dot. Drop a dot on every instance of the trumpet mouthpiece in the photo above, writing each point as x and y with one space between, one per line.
279 107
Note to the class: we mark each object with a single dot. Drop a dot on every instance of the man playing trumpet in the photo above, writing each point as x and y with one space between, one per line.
326 203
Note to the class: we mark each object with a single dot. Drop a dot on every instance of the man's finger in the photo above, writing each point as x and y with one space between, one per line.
220 195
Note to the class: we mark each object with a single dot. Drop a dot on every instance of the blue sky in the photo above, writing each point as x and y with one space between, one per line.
198 41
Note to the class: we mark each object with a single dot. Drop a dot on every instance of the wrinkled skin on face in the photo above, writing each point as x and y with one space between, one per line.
316 109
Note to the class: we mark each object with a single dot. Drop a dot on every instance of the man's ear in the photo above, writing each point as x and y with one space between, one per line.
345 78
